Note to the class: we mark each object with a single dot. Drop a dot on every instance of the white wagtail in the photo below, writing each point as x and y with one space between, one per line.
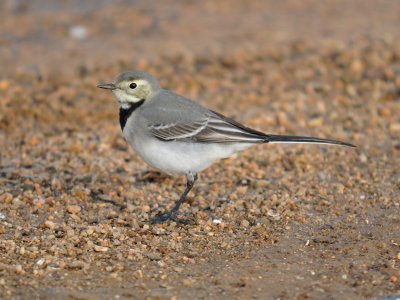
178 136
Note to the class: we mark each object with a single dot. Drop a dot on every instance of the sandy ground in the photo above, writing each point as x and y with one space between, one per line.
275 221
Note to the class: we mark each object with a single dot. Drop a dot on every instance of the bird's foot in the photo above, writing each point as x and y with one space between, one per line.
161 218
170 216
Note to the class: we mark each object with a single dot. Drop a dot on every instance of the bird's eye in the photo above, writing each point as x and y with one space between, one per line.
133 85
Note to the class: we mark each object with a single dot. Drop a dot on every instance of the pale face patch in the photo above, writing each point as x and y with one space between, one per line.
125 94
123 97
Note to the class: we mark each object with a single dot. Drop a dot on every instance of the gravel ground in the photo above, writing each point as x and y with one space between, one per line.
275 221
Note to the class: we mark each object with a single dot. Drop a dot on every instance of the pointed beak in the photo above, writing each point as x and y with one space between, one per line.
107 86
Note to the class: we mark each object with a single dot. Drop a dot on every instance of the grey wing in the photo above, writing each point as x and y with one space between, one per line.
177 130
213 128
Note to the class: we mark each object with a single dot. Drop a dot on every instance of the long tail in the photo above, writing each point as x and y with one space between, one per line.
303 139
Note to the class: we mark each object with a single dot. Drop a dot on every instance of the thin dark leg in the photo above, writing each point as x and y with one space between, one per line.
171 214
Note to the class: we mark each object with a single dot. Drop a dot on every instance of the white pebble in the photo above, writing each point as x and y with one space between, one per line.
78 32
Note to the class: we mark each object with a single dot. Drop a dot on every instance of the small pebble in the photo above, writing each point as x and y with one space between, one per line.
50 224
153 256
244 223
78 32
178 269
73 209
4 85
138 274
98 248
394 127
40 261
187 282
19 270
76 264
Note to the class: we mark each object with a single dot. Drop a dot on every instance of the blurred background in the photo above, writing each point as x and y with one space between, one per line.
66 34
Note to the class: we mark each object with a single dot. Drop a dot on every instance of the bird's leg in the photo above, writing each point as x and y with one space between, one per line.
189 184
191 178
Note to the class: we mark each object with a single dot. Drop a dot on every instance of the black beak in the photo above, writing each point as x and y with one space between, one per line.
107 86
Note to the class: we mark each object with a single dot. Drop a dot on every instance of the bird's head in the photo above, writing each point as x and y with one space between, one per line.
132 87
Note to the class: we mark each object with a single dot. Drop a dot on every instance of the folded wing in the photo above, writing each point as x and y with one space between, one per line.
215 128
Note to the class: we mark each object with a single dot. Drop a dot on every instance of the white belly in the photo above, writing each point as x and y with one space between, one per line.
178 158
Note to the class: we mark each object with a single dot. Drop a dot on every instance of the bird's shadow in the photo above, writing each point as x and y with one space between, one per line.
150 176
98 196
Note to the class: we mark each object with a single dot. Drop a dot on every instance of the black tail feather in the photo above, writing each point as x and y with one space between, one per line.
303 139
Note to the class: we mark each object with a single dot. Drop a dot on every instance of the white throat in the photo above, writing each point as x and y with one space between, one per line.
124 99
124 105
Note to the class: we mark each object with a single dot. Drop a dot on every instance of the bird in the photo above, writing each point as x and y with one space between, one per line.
178 136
